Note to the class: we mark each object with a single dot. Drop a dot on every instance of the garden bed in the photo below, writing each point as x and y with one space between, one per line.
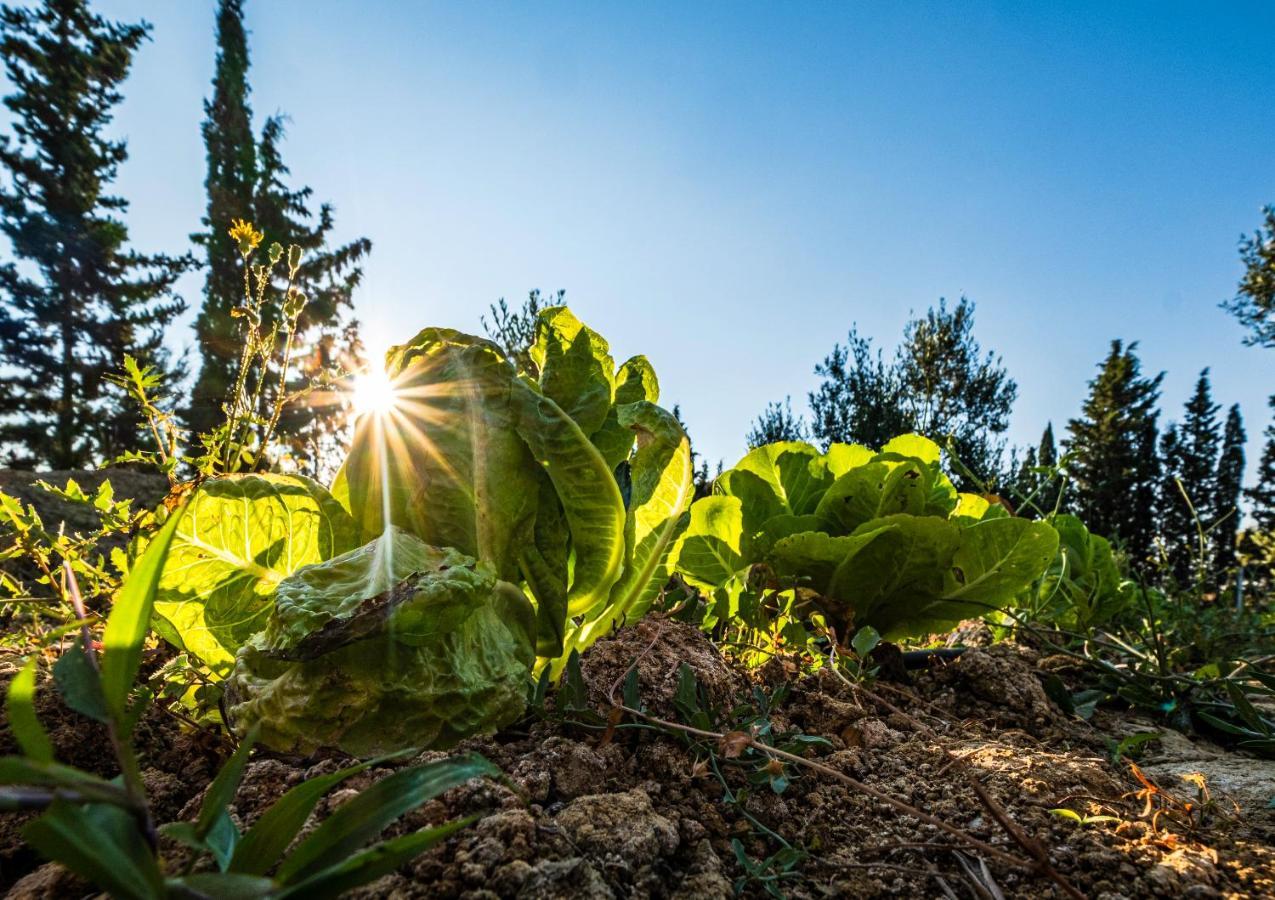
638 811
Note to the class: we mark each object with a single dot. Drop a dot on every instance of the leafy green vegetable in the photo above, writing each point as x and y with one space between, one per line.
523 471
238 539
1083 587
393 644
879 540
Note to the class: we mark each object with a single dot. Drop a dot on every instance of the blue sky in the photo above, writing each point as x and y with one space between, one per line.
728 187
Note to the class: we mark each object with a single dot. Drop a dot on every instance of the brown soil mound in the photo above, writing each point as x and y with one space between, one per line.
635 811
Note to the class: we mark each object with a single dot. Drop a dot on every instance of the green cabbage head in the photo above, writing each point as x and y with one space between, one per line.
394 644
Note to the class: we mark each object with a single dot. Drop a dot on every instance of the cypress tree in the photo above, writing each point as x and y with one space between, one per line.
1229 479
1201 438
1178 538
79 299
247 179
1262 494
230 183
1112 452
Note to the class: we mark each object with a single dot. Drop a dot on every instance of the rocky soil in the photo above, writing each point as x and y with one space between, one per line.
635 811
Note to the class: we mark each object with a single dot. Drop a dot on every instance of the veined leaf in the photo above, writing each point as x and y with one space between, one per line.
634 383
711 550
662 481
240 536
591 501
786 477
997 560
576 369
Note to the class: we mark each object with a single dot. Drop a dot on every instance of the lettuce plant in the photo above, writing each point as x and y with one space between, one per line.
565 477
104 830
496 515
867 539
394 644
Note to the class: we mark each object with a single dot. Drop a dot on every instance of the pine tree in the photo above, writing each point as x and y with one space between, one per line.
79 299
248 180
776 423
1262 494
939 384
1229 480
1036 492
1112 453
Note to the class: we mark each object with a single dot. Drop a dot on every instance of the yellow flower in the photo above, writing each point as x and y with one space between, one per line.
242 231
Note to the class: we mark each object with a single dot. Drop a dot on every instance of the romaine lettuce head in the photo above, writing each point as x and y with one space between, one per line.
395 644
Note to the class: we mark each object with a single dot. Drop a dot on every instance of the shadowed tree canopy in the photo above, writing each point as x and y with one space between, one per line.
247 179
939 384
1254 300
777 423
1230 478
79 299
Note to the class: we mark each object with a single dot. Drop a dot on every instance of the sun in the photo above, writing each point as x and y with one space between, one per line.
374 393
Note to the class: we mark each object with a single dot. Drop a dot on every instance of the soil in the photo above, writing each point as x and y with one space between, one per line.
627 811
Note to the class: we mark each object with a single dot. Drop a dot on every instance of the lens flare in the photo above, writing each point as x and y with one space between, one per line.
374 394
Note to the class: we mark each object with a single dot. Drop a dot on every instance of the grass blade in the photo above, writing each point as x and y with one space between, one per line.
99 843
19 705
130 618
367 815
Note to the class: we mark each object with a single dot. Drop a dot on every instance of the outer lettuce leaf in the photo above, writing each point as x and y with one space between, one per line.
442 653
634 383
713 549
662 485
774 479
238 539
879 488
576 368
448 465
1083 587
591 501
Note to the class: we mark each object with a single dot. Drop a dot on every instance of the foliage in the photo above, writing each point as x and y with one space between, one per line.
36 556
515 331
77 299
1111 454
393 644
573 482
246 177
1038 486
1230 479
1083 588
859 538
777 423
104 831
939 385
1254 301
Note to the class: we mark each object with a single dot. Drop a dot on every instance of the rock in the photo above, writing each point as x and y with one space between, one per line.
621 825
565 879
50 880
577 768
705 879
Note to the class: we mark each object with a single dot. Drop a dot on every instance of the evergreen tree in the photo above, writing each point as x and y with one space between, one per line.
1177 532
1254 301
939 384
1229 480
1035 492
701 479
1201 437
776 423
230 184
1262 494
78 299
248 180
1112 452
